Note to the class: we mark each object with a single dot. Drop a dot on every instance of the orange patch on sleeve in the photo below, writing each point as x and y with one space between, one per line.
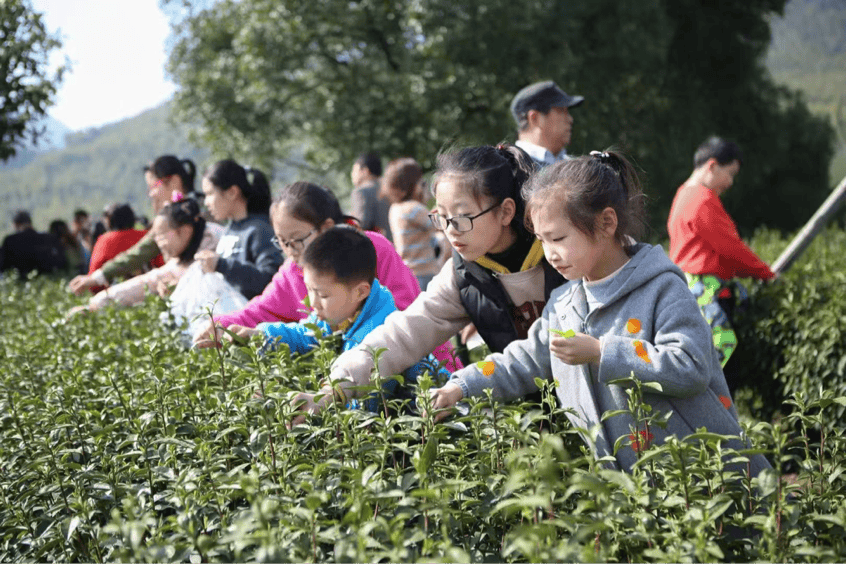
725 401
487 367
640 350
633 325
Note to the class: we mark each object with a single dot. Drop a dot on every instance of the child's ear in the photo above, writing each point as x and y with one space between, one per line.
606 222
328 223
361 291
508 208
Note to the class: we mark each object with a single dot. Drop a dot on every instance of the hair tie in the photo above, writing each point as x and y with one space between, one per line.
177 197
601 155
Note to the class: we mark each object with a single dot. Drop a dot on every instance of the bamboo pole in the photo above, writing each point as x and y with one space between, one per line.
802 239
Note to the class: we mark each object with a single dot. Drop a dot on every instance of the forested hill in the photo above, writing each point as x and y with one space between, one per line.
103 165
96 167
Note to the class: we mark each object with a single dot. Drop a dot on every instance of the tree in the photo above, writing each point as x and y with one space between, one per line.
409 78
28 87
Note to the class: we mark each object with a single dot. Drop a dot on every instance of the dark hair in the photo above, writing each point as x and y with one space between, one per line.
186 212
99 229
121 217
723 151
22 217
343 252
59 229
587 185
490 172
79 212
227 173
168 165
310 203
372 161
401 179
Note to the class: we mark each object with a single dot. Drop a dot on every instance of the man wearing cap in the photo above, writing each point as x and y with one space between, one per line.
544 123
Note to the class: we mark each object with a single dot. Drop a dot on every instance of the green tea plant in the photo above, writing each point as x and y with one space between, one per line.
792 339
119 444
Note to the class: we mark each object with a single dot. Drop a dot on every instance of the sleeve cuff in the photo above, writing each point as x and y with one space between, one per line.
99 277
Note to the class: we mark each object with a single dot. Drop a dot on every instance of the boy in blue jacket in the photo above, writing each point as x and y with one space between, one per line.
339 271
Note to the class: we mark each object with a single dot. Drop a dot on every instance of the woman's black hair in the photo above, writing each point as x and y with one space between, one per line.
186 212
256 191
59 229
490 172
587 185
168 165
311 203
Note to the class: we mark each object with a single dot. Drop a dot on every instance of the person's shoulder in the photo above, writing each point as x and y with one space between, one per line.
379 241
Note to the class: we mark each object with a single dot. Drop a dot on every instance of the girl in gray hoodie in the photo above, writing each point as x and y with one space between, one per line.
626 311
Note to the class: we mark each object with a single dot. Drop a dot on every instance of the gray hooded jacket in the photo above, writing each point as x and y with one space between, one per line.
648 324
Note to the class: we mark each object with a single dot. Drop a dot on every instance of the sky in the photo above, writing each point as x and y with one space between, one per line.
117 54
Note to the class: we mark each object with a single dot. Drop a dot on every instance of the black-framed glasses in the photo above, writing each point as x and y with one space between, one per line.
461 223
293 244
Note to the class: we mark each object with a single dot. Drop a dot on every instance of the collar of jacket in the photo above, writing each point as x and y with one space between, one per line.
532 259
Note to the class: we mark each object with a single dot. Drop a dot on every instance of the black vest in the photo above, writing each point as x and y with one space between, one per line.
488 304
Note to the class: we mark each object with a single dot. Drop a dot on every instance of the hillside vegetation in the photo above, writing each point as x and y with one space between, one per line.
98 166
808 53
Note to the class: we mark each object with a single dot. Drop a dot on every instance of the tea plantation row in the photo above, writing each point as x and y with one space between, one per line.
117 444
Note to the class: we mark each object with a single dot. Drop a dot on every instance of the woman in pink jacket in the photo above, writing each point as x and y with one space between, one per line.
301 212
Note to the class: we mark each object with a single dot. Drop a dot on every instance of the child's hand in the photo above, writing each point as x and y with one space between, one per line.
207 259
578 349
239 334
444 399
166 284
209 337
305 404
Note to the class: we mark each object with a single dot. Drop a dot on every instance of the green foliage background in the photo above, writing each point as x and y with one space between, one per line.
410 78
805 53
27 85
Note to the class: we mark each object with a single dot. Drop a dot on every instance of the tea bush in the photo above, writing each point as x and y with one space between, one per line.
117 444
793 336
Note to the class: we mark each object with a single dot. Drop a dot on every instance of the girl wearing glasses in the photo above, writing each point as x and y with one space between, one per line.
245 255
627 311
299 214
497 278
168 179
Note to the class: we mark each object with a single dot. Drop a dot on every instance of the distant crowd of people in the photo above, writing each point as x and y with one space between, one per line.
533 249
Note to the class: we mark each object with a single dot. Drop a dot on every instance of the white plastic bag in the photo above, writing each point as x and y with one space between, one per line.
197 292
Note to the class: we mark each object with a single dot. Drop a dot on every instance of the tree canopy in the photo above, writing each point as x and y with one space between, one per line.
28 86
410 78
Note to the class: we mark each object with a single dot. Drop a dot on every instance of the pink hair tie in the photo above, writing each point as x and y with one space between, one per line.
177 197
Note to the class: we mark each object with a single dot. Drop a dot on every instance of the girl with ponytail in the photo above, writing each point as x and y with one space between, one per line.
496 279
168 179
626 311
245 255
180 232
301 212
